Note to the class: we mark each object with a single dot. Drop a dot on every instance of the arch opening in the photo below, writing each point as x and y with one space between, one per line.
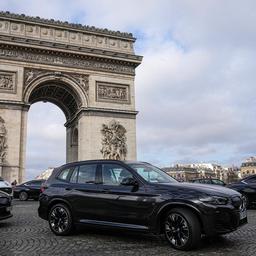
46 138
59 94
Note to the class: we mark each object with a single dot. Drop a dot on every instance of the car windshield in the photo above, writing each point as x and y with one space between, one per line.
151 173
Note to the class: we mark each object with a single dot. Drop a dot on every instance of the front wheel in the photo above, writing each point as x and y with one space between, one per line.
60 220
23 196
182 229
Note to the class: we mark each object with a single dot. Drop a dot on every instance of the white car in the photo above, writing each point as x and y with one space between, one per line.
6 187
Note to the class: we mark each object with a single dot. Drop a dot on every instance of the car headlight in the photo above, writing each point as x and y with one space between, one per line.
215 200
3 200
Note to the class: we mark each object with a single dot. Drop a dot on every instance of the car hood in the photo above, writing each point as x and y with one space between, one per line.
4 194
5 184
191 188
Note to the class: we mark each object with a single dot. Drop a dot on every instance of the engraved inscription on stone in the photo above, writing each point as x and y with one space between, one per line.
7 81
112 92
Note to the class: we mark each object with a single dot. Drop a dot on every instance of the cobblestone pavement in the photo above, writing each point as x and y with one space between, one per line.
26 234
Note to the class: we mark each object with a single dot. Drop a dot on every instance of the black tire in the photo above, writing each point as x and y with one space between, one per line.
182 229
60 220
23 196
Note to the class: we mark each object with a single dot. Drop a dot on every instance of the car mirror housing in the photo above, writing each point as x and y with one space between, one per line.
129 182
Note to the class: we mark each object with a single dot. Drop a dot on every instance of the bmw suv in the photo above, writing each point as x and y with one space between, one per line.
138 196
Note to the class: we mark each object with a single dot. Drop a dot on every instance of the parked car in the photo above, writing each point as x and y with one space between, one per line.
247 187
212 181
28 190
138 196
5 186
5 205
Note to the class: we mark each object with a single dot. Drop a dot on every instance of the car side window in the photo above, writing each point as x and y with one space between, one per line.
87 174
217 182
73 178
251 180
64 174
113 174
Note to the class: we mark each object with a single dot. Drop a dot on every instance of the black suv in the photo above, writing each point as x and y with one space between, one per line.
138 196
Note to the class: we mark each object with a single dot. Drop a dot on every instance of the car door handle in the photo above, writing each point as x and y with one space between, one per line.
106 191
68 189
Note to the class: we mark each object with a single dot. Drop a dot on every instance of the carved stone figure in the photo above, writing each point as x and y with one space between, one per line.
3 138
114 141
30 76
83 81
6 82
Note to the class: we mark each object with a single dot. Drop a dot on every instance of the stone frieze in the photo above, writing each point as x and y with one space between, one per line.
112 92
56 58
7 82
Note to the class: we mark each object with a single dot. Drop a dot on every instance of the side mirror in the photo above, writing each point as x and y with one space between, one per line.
129 182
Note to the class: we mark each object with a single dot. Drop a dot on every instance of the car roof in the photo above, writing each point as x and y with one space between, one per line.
249 177
100 161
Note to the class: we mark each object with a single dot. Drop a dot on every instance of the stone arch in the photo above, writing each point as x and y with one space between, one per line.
58 89
49 61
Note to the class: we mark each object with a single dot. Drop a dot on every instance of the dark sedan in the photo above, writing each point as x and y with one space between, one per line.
28 190
247 187
140 197
5 205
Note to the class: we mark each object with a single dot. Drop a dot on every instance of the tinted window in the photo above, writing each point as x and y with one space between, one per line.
64 174
206 181
152 174
73 177
34 183
251 180
87 173
218 182
113 174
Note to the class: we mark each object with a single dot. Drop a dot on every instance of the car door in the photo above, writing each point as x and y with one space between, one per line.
34 188
83 192
121 203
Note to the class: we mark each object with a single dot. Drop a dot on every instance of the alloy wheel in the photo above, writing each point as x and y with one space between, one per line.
23 196
177 230
59 220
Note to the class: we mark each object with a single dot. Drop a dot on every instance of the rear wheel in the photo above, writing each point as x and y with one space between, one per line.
182 229
23 196
60 220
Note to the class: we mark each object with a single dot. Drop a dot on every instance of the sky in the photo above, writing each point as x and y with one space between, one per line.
195 89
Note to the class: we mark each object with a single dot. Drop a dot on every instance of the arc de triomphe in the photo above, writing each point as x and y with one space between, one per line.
87 72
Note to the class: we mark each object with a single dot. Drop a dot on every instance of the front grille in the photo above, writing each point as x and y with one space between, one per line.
6 190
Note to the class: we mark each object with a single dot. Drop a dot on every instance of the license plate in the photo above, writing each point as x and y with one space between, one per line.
8 209
243 214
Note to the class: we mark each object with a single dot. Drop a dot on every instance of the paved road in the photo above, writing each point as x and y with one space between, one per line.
26 234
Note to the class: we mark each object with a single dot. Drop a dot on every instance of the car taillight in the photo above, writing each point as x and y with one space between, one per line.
43 188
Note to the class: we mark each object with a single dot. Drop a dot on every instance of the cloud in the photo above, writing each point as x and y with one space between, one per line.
195 88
